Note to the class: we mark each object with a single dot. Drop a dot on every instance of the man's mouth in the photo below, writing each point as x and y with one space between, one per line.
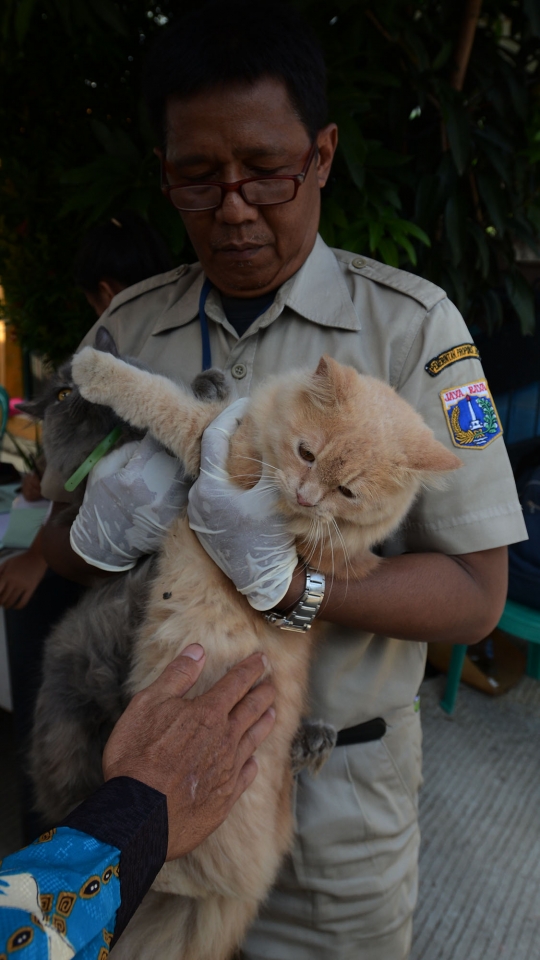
239 251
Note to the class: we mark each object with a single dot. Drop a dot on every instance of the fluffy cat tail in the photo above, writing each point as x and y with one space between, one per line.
170 927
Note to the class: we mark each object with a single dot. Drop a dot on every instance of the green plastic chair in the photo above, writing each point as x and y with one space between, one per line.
517 620
4 411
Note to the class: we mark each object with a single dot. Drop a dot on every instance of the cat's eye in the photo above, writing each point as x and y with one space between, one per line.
346 492
305 453
64 393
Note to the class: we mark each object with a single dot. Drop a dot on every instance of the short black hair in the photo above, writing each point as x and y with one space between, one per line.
231 41
125 248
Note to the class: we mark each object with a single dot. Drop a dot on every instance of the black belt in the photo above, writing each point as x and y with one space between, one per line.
362 733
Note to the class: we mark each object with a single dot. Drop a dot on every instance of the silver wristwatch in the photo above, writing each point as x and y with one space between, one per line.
301 617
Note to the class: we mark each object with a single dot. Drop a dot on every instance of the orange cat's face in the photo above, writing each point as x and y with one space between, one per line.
346 446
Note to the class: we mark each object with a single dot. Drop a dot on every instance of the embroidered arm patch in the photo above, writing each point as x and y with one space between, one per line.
463 351
471 415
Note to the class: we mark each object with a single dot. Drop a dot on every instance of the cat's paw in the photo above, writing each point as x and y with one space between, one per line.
210 385
92 372
312 745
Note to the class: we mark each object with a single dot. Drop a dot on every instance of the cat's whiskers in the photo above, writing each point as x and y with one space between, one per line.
313 538
263 463
345 554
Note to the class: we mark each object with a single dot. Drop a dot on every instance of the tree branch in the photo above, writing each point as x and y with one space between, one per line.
462 53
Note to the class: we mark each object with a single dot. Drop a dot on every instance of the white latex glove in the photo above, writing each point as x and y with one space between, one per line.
132 497
240 529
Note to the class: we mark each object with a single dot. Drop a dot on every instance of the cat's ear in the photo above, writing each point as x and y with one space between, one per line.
430 456
33 408
105 342
329 380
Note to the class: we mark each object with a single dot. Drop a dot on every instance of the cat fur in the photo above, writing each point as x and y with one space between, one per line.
87 654
365 437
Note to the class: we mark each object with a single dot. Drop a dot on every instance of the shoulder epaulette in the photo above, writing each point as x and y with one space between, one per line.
151 283
425 292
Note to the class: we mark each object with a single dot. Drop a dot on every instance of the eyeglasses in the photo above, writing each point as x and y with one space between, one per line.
257 191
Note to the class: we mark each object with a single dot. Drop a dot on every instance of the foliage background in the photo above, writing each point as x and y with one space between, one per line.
427 177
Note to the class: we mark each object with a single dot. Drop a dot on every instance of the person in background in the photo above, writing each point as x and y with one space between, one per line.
72 892
113 256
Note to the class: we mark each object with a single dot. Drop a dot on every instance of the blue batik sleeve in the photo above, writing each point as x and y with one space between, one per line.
59 898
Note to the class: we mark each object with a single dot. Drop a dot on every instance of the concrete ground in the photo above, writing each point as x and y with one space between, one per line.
479 895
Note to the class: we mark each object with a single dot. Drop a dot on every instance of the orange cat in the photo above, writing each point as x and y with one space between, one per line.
348 457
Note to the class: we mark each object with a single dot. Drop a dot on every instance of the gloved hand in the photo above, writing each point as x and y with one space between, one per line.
240 529
132 497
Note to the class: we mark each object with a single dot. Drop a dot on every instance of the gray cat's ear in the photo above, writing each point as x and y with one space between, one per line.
105 342
33 408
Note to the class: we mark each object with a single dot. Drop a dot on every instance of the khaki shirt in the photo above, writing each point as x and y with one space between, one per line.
386 323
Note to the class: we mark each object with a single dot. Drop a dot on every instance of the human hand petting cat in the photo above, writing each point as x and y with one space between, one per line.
199 752
241 529
132 497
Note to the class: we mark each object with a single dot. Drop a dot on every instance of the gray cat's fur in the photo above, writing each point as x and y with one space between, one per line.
87 655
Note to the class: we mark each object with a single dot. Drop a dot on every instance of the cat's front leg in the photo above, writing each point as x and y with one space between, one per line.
148 401
312 745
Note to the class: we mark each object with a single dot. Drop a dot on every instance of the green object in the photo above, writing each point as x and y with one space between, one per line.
4 410
8 492
524 622
23 526
517 620
93 458
457 659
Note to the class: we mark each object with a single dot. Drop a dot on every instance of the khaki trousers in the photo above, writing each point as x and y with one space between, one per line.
349 888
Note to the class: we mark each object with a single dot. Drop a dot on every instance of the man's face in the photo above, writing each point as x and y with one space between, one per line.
230 133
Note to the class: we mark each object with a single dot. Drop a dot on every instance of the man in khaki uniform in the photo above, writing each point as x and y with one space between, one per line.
349 888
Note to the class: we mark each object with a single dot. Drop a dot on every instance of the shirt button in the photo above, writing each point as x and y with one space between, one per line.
239 371
358 262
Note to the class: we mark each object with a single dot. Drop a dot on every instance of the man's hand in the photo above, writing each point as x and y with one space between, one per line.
199 752
132 497
241 529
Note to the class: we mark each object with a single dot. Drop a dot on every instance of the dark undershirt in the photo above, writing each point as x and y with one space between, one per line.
241 312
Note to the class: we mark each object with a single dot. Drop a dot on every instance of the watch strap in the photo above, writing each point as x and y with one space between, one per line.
302 615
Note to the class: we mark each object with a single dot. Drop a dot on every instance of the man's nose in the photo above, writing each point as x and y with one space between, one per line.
234 209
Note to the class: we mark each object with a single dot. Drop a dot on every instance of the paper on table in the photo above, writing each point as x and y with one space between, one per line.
23 526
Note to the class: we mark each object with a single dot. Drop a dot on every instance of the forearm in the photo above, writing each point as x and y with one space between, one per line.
36 547
60 556
128 819
419 596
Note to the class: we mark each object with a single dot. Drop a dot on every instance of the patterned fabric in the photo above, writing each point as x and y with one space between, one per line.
59 898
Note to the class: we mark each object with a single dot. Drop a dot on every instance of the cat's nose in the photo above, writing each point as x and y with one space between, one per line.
303 501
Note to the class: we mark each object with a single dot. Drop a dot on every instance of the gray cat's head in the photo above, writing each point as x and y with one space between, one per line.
72 427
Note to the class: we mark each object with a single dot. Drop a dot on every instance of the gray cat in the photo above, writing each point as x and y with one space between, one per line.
87 654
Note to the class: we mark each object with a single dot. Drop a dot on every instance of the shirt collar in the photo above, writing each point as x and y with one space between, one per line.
317 292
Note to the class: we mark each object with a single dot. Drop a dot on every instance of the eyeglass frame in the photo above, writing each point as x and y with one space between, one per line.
236 186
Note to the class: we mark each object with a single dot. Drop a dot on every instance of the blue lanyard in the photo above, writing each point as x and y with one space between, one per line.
203 320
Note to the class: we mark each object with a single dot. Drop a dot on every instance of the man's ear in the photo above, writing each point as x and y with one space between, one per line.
327 141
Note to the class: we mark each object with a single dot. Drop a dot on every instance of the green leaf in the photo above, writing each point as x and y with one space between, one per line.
532 10
453 230
389 252
110 14
405 243
414 231
116 142
482 246
442 55
459 135
23 14
521 297
493 199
